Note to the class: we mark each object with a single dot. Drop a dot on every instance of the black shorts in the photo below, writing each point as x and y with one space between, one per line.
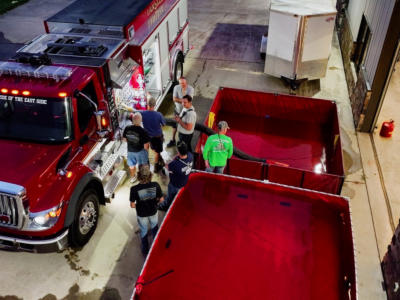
156 143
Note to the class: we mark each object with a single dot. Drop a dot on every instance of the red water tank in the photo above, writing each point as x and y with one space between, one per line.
387 128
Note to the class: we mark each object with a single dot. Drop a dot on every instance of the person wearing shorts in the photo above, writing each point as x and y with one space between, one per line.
138 145
152 123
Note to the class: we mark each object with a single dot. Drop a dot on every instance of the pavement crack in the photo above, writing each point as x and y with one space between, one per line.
198 75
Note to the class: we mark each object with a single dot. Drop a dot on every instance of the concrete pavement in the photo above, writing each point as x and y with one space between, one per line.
225 37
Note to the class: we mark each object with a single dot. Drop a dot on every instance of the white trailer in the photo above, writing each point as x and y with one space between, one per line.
299 39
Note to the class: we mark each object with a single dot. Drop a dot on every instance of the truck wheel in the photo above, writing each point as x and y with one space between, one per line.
85 221
178 73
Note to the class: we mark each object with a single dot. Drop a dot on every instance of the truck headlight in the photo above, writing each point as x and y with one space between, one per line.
44 219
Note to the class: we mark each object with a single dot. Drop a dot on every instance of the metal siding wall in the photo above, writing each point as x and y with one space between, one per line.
378 14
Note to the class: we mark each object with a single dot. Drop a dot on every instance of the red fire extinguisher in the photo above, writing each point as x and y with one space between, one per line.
387 128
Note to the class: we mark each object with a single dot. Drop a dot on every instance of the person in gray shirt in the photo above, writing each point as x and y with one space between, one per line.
180 90
186 122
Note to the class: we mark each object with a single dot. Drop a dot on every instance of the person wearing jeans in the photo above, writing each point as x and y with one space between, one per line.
145 197
218 149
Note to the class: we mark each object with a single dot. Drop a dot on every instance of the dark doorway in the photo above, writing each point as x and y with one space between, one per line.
363 39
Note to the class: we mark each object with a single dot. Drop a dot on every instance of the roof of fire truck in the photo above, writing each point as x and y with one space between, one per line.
42 80
73 49
113 13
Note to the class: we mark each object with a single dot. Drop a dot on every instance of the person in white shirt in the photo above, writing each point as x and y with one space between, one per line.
186 122
180 90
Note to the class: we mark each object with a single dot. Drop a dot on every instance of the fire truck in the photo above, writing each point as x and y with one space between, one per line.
60 124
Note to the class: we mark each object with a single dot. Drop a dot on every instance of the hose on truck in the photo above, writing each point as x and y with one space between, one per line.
206 130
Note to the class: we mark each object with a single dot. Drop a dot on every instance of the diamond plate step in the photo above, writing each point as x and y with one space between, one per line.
113 183
108 165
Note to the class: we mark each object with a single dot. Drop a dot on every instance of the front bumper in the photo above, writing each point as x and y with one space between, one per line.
56 243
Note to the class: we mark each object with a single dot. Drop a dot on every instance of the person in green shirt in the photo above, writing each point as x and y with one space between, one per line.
218 149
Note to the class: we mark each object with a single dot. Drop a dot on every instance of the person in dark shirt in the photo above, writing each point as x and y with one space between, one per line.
152 123
138 145
179 170
144 197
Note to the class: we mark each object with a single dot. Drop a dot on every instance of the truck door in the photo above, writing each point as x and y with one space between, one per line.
85 109
152 67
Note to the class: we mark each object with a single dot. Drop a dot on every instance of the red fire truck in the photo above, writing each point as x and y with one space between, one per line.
60 128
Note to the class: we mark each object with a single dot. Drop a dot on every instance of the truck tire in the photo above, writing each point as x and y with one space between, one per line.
178 71
85 219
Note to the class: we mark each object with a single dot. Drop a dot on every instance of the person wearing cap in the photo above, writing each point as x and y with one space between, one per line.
180 90
179 169
152 123
138 144
218 149
145 197
186 122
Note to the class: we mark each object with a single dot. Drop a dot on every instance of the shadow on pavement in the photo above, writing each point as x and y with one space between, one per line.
238 42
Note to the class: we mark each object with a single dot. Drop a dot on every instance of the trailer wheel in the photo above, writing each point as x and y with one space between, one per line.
85 220
178 71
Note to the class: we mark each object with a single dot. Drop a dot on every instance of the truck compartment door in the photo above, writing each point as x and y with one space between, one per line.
164 54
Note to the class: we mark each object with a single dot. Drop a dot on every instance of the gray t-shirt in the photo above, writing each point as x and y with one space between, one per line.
177 93
187 116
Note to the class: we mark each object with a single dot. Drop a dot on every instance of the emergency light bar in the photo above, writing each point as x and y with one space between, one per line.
23 70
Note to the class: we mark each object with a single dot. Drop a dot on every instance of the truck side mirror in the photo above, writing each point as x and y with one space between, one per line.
102 123
78 93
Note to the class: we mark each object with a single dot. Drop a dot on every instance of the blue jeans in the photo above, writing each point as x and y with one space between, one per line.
172 191
141 158
144 223
215 169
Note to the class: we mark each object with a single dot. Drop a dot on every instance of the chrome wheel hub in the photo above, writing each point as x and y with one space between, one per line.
87 217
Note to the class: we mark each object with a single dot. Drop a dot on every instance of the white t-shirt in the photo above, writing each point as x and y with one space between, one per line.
188 116
177 93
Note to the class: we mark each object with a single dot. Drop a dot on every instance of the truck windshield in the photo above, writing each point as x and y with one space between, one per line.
34 119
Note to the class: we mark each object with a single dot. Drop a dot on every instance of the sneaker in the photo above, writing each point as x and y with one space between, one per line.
171 143
133 179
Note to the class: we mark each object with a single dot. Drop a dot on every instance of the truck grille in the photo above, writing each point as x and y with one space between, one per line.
8 210
11 208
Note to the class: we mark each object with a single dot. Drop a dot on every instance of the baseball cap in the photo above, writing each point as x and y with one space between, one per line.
223 125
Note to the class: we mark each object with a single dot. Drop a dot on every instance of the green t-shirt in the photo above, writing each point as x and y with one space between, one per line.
218 149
